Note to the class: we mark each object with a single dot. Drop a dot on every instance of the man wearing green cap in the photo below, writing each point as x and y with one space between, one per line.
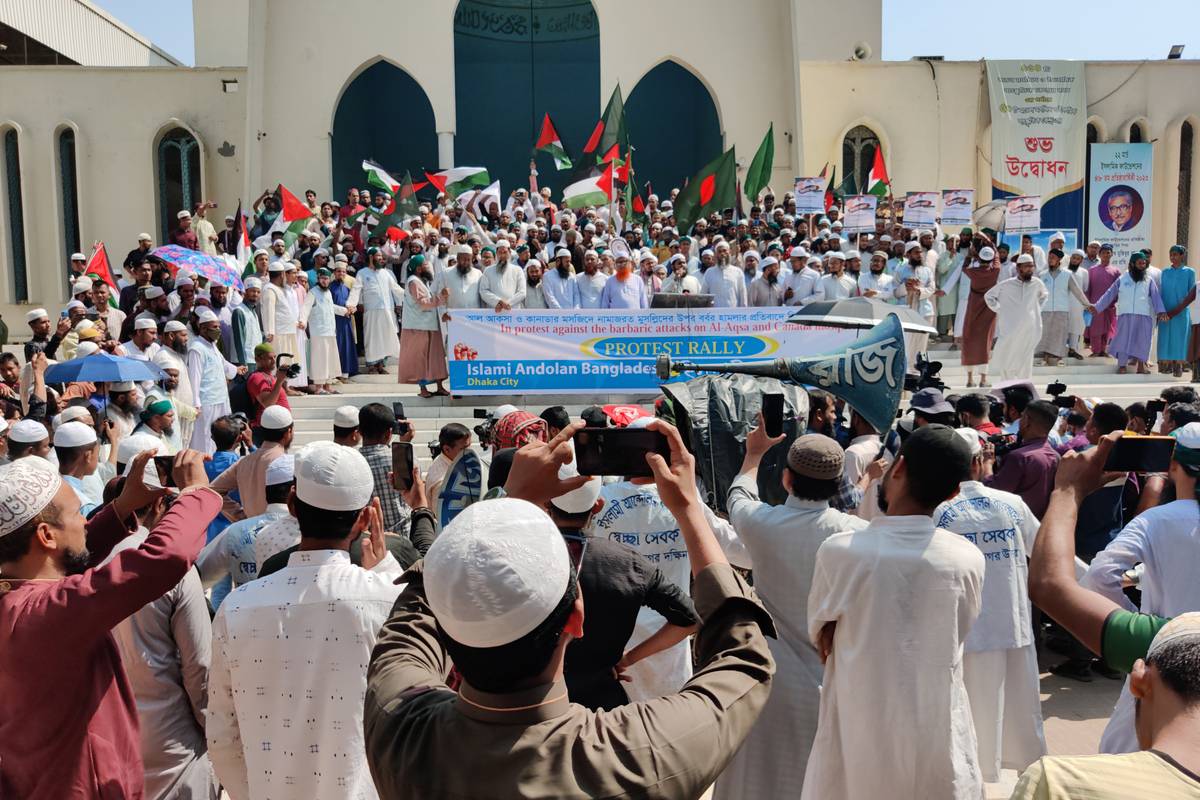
318 315
158 419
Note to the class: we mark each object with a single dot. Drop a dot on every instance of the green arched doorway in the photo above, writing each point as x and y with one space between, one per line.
673 126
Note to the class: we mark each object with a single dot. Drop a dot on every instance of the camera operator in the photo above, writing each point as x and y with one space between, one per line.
1028 469
1014 401
266 385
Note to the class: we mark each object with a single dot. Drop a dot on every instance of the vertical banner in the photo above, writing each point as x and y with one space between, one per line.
920 209
957 207
1121 195
1039 131
858 214
1023 215
810 196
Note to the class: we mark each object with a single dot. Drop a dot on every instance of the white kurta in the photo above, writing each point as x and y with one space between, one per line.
379 294
895 720
782 542
279 321
1075 331
288 677
590 288
635 516
1166 540
208 371
1018 307
727 285
505 283
185 412
318 313
1000 660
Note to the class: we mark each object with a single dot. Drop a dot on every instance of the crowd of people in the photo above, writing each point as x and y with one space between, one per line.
190 603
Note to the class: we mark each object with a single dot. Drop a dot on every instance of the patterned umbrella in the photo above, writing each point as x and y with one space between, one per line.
212 267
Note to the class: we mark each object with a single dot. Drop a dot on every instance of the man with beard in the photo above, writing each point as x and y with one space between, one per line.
208 372
1101 277
68 721
143 345
278 318
766 289
158 420
802 283
502 287
317 316
422 355
534 295
458 286
342 292
172 359
1138 305
134 259
626 290
978 319
559 287
245 324
875 282
680 282
155 305
122 408
1017 303
725 281
1062 294
380 297
836 284
590 283
1079 273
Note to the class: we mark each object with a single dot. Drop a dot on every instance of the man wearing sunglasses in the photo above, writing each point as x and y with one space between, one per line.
617 582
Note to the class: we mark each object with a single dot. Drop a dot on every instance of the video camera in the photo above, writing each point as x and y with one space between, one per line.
293 369
925 377
484 429
1057 391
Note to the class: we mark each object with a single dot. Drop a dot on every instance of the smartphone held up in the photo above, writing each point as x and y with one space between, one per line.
618 451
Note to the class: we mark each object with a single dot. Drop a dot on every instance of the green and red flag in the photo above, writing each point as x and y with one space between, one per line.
830 198
592 191
457 180
550 142
635 206
293 216
878 182
245 250
97 266
758 175
609 138
713 189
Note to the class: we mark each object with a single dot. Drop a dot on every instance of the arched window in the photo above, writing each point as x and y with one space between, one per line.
1137 132
858 154
668 155
178 177
1093 135
1186 135
68 190
16 216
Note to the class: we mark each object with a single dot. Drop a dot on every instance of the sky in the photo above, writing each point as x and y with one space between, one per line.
960 30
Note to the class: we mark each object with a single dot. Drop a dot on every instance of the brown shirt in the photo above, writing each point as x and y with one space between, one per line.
249 476
425 741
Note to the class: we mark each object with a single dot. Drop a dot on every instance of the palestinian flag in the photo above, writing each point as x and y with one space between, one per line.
878 182
590 191
97 266
379 178
713 189
456 180
609 137
759 173
245 250
293 216
550 142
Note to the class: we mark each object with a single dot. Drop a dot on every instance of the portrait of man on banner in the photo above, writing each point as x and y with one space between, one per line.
1121 208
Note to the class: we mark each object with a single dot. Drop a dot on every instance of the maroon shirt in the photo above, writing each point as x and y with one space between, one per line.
185 238
1028 471
68 720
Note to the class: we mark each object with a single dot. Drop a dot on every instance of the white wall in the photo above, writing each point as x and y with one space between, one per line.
220 31
119 115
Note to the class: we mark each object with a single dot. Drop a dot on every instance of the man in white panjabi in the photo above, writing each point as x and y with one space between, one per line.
782 542
278 318
890 607
317 316
380 297
290 651
1000 667
208 372
295 291
172 356
1018 306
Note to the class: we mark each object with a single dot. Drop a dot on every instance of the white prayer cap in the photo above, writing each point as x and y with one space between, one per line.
252 283
1182 626
83 325
27 486
832 254
971 437
78 257
28 431
229 217
74 434
1058 236
797 252
853 254
504 410
813 261
340 258
75 304
496 572
912 246
837 223
174 326
86 349
748 254
36 314
204 314
333 477
82 285
647 255
1024 258
676 258
580 499
880 254
986 254
184 281
154 292
1078 252
145 323
278 265
117 387
281 470
183 214
130 446
590 253
345 417
145 237
562 251
768 261
260 252
276 418
533 262
73 414
1188 436
885 238
290 266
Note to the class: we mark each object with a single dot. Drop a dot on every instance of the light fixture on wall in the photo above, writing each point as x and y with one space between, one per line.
1176 52
229 85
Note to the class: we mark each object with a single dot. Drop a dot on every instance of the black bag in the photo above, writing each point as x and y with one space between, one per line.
239 395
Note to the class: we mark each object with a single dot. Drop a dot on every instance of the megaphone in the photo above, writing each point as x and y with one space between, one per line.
868 373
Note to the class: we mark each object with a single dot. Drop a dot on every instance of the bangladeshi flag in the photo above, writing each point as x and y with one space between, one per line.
550 142
97 265
712 190
609 138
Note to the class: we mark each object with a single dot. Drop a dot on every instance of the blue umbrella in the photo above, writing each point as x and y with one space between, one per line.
103 368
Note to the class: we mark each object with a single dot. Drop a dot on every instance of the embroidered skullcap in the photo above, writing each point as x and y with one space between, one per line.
496 572
345 417
986 254
252 283
1024 258
1181 627
816 456
174 326
27 486
281 470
